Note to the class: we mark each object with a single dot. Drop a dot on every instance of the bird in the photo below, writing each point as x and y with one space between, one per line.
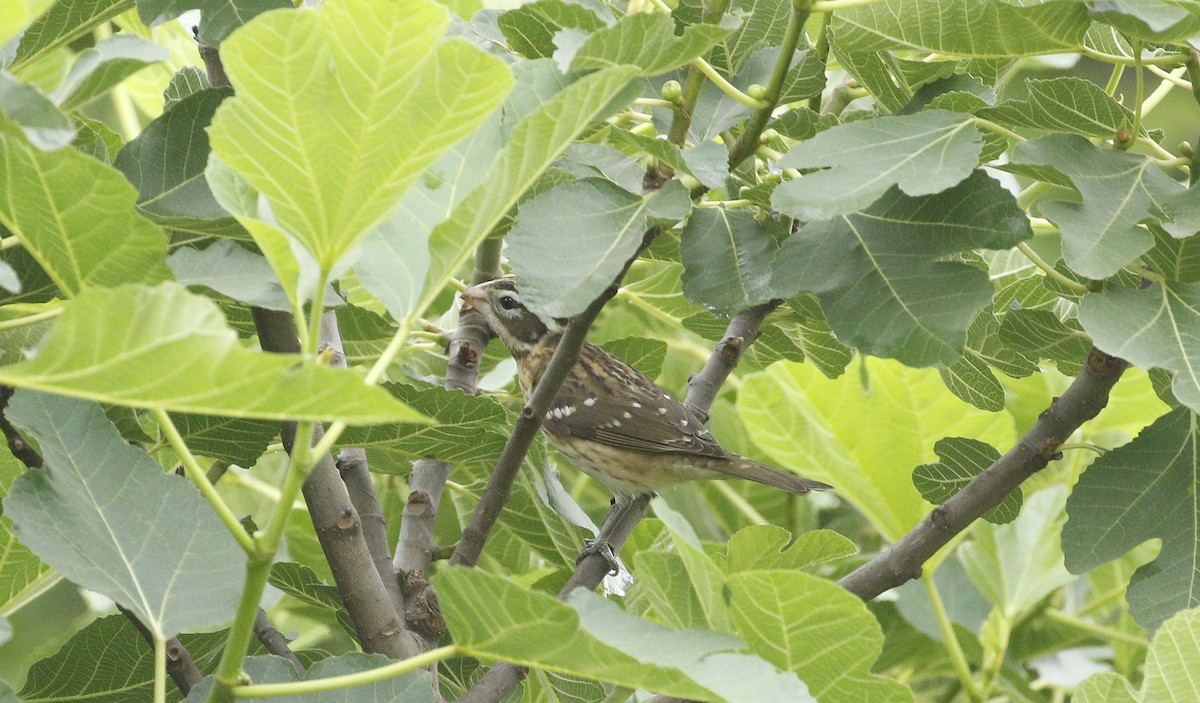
610 420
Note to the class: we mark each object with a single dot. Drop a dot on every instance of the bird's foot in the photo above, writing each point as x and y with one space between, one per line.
602 548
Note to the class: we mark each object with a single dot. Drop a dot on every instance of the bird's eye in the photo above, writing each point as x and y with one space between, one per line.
509 302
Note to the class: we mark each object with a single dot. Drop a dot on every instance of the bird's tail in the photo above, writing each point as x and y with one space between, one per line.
760 473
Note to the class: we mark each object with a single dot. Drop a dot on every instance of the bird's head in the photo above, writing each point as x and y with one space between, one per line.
516 325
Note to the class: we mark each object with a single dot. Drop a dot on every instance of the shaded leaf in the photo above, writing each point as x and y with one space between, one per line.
126 345
21 572
25 107
648 41
104 514
530 28
882 275
1140 491
237 441
1064 104
1154 20
727 257
99 68
188 81
1040 334
221 17
63 23
230 270
922 154
961 459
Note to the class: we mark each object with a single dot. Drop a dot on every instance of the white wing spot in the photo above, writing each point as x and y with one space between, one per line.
590 402
637 404
626 415
683 423
662 411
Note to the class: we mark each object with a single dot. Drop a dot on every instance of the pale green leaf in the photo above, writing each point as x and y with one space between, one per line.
1143 490
21 572
63 23
811 626
535 142
99 68
760 547
704 576
1170 673
663 591
385 71
963 27
1016 565
882 275
647 41
105 515
814 425
587 636
25 107
126 346
1118 189
1152 20
961 459
594 226
922 154
16 15
76 216
1150 328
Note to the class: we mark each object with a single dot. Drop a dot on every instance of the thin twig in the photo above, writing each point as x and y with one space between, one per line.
274 641
1084 399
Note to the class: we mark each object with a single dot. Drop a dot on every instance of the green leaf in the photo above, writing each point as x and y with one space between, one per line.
21 572
960 460
1143 490
663 591
1119 190
104 515
405 80
1064 104
535 142
1016 565
1150 328
221 17
1152 20
595 226
763 25
413 687
25 107
237 441
230 270
645 355
16 15
99 68
126 345
302 583
704 576
1040 334
1177 259
727 257
971 377
762 547
63 23
188 81
530 28
803 421
831 647
590 637
648 41
166 164
73 214
922 154
963 27
109 662
882 275
1170 672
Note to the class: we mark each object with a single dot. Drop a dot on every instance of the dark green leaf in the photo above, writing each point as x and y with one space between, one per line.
63 23
104 514
882 276
221 17
1065 104
1040 334
237 441
1143 490
727 257
1153 20
960 460
648 41
27 108
98 69
971 377
530 28
922 154
187 82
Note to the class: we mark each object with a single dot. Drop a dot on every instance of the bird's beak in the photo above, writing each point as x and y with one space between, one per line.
474 298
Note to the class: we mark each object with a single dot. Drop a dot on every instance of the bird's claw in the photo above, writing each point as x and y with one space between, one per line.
604 550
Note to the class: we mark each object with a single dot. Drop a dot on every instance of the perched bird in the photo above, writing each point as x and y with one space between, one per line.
609 419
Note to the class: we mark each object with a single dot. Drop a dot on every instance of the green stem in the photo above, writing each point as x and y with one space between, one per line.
1161 60
160 670
199 477
1140 76
743 506
1115 79
9 242
1030 195
747 144
303 458
822 48
1099 631
1164 88
728 88
957 658
997 129
31 319
229 669
337 683
1073 286
313 330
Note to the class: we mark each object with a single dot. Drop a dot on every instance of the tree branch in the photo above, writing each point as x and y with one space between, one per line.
338 526
1084 399
496 494
743 329
273 640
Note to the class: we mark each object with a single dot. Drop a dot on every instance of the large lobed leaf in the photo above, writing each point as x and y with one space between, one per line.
76 216
128 345
882 274
1143 490
105 515
338 110
1171 674
648 41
